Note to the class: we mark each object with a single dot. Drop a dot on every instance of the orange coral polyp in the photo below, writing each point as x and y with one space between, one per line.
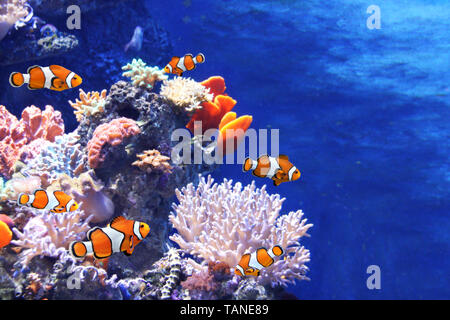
216 85
232 131
5 234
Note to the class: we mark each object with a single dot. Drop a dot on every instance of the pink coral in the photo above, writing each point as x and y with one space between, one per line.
111 133
17 136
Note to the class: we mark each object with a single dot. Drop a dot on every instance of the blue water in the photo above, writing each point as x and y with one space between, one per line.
364 114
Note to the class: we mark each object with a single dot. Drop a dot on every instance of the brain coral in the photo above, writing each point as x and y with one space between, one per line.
111 133
221 222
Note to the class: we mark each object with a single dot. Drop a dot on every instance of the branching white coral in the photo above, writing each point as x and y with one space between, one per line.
185 93
221 222
143 76
90 104
50 234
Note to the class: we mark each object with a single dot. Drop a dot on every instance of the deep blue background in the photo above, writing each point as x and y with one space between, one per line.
364 114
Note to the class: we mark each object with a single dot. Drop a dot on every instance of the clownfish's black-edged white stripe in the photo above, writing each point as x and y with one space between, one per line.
240 269
291 172
116 238
69 79
254 263
181 65
49 75
274 167
136 230
170 68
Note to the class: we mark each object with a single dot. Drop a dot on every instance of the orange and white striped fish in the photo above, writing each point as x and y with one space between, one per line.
56 201
121 235
279 169
251 264
179 65
55 78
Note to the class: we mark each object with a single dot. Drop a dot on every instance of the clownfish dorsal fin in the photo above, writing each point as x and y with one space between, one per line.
284 157
32 67
117 220
55 67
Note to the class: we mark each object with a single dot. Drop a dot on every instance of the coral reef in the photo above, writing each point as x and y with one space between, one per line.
58 42
10 12
63 156
143 76
174 273
48 234
217 114
90 104
152 160
185 93
221 222
210 283
17 136
88 192
112 133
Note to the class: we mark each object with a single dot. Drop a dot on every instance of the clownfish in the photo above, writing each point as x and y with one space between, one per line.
56 201
278 169
179 65
121 235
251 264
55 78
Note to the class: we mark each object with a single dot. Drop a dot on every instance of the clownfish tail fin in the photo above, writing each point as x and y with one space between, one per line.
200 58
78 249
16 79
248 163
23 199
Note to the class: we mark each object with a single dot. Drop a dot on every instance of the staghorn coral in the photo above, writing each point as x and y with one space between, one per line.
152 160
112 133
10 12
143 76
185 93
64 156
90 104
23 139
48 234
221 222
88 192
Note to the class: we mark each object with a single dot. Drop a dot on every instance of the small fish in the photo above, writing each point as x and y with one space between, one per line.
56 201
136 41
251 264
54 78
278 169
121 235
179 65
